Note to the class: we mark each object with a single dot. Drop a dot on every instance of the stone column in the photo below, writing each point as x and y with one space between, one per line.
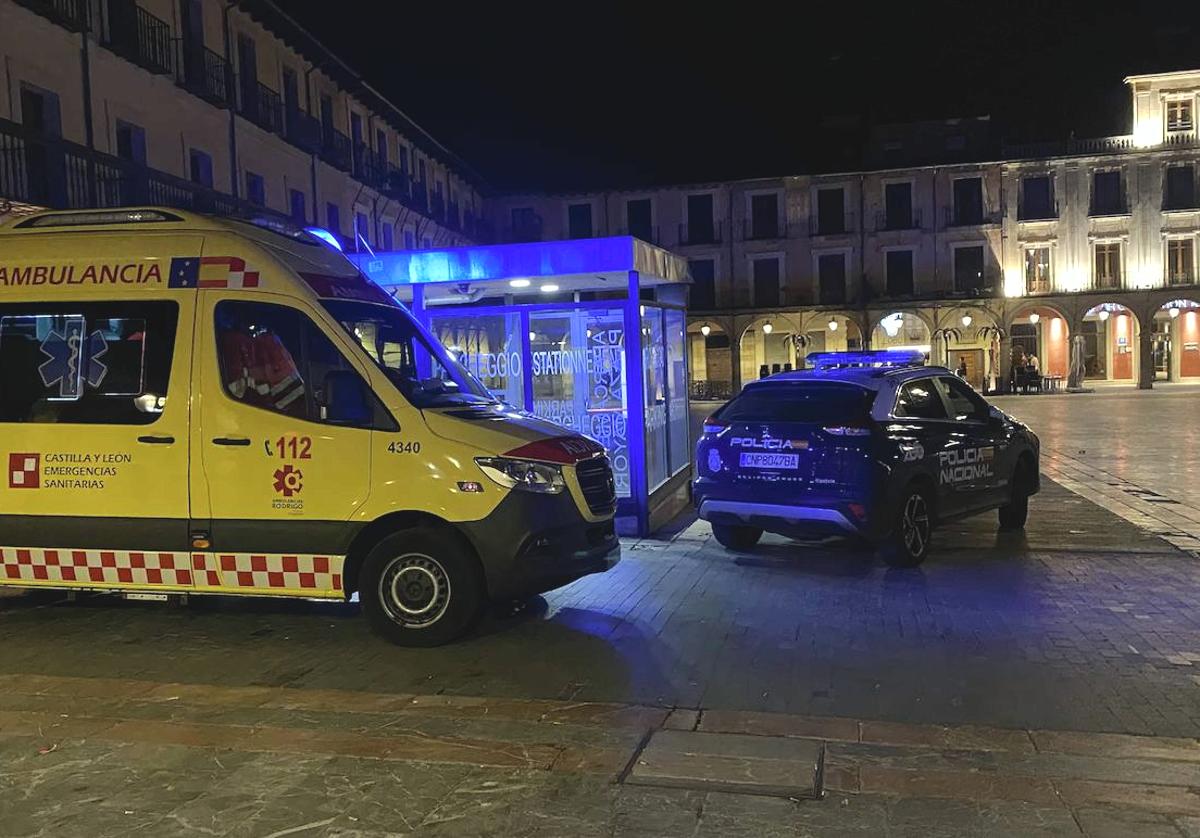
1004 361
735 359
1145 354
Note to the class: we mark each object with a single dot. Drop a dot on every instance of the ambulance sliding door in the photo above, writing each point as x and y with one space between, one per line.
94 411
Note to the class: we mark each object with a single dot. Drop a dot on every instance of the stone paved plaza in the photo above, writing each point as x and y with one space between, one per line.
1038 684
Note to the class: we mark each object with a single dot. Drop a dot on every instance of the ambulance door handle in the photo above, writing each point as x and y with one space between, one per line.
157 440
231 440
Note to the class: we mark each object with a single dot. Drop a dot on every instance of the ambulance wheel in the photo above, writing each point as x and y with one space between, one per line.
736 538
908 543
422 587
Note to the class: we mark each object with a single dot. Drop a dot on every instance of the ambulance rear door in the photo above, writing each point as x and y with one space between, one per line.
95 378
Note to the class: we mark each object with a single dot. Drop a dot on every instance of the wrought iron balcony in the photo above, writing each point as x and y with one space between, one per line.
335 149
758 229
52 172
453 218
831 225
262 106
70 14
1038 212
910 220
437 207
302 131
207 74
139 36
964 217
419 200
703 232
396 184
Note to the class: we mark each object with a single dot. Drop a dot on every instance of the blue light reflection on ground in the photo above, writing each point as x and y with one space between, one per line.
584 256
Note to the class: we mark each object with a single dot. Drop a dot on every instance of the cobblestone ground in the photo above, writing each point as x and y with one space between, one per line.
1047 683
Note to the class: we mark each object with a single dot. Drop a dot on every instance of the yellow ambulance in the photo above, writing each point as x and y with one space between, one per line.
196 405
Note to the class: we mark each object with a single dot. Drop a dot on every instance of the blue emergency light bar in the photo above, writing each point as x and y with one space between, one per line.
867 358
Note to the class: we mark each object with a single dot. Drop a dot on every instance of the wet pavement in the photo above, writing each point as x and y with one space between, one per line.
1045 683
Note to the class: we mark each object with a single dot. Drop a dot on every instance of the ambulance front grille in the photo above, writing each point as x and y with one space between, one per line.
599 488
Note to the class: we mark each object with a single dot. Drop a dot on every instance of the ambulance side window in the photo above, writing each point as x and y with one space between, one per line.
93 363
920 400
274 358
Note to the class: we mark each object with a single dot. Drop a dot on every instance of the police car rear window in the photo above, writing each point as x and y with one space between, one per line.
794 401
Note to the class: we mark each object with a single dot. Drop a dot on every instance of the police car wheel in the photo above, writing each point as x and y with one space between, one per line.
733 537
421 587
908 544
1015 513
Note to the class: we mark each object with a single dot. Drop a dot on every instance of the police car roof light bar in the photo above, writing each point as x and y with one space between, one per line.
867 358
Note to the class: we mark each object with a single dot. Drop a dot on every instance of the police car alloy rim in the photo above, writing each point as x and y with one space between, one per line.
414 590
914 524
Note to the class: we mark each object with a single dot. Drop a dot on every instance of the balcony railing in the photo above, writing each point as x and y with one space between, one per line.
825 225
761 229
1181 277
419 200
71 14
1108 282
437 207
1102 209
55 173
136 34
646 234
206 74
709 233
1038 213
453 218
302 131
335 148
1037 286
954 217
262 106
396 184
885 221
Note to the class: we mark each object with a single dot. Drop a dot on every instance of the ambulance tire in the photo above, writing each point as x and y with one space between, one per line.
738 539
422 587
908 543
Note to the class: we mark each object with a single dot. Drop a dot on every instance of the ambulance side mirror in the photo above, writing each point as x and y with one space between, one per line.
346 400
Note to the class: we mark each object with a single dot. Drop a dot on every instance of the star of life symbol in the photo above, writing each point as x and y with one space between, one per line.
74 358
289 481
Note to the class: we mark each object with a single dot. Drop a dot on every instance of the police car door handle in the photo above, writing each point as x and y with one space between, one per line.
231 440
157 440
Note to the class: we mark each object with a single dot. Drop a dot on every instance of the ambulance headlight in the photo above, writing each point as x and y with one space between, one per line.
525 475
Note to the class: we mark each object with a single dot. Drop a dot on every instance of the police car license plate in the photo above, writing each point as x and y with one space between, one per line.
757 460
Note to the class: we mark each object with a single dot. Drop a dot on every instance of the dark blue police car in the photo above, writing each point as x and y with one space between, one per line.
867 444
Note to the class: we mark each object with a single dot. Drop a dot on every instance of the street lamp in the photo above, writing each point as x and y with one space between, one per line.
1173 311
768 328
706 330
966 320
1034 318
1104 315
833 325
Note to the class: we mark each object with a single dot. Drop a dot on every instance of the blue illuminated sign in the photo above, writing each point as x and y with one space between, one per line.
876 358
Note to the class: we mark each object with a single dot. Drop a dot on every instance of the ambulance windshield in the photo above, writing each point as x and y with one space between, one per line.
418 365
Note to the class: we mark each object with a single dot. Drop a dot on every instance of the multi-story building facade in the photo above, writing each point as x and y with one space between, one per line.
1082 253
220 106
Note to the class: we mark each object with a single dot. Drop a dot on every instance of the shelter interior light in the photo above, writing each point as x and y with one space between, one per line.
706 330
966 320
768 328
549 288
833 325
519 283
533 335
1034 318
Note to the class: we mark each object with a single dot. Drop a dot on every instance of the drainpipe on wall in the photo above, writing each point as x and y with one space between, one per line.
935 236
316 217
233 167
864 290
89 136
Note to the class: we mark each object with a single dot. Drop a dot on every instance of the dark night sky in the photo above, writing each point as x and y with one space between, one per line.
573 95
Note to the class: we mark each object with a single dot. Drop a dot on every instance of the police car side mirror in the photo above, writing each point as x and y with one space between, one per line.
346 401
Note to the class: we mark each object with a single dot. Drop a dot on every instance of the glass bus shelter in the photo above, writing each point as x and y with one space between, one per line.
589 334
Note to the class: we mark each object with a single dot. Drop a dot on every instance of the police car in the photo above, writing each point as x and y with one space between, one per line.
872 445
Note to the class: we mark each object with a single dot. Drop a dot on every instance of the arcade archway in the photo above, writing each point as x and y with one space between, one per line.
1109 344
711 361
1175 341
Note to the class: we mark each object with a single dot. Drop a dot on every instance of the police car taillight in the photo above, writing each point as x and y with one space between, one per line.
714 426
847 430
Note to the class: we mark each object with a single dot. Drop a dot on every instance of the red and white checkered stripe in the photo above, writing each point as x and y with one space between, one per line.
246 572
270 572
235 275
108 567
